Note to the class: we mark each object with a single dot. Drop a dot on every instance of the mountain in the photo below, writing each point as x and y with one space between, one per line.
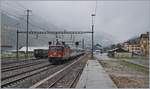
134 40
9 33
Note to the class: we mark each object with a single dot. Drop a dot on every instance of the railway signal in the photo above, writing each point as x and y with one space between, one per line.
49 42
63 43
77 44
28 12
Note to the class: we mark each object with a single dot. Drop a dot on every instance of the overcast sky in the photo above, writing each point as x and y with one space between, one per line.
115 20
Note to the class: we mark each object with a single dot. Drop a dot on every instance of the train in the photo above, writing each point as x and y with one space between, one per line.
61 53
40 53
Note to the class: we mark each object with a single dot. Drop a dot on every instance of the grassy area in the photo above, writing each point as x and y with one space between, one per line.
131 58
121 64
136 67
141 60
13 55
125 74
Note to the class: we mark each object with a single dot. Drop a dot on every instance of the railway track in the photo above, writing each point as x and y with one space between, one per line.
14 80
18 62
21 65
32 76
64 82
52 80
25 70
9 81
15 61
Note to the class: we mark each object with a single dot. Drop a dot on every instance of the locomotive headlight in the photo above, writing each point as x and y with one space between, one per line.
50 55
59 55
54 53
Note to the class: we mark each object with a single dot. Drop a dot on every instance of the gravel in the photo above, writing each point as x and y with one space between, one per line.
126 75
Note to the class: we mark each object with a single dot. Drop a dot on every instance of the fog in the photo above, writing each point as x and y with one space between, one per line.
115 21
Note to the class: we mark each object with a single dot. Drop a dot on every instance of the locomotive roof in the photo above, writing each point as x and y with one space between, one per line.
56 45
60 45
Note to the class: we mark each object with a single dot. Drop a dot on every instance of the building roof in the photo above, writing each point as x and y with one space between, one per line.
31 49
134 41
118 50
145 35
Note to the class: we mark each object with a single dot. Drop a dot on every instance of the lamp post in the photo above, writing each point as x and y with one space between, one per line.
92 32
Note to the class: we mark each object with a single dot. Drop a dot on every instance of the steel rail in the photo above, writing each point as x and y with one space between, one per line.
70 85
16 61
56 73
4 78
24 77
20 66
79 72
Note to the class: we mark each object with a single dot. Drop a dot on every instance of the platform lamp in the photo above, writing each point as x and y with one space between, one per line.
92 32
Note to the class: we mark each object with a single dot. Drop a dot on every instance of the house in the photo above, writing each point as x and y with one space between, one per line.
134 48
139 45
144 44
5 48
97 47
119 52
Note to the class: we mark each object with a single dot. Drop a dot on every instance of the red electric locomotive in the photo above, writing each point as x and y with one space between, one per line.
61 52
58 53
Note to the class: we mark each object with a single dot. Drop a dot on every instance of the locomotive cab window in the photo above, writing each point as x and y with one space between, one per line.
56 48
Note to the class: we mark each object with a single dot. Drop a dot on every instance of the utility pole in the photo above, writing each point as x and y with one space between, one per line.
92 33
17 56
17 45
28 11
83 43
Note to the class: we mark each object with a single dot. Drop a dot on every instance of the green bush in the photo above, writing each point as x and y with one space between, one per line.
13 55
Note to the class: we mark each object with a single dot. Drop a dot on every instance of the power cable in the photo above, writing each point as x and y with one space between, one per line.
21 5
13 6
23 19
18 12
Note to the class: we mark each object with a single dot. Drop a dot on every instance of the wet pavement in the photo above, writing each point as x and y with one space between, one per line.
103 56
94 76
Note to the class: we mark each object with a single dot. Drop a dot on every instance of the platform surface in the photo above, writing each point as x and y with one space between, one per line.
94 76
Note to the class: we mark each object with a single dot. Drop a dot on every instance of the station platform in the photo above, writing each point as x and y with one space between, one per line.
94 76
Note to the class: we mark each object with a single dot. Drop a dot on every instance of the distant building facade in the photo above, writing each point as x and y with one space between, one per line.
119 52
4 48
140 47
135 48
144 43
